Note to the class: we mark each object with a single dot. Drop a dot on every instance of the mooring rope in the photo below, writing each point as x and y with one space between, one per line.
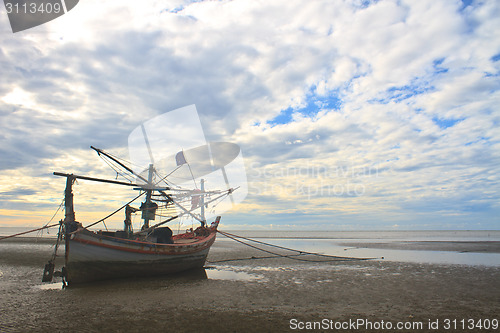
46 226
280 247
255 258
279 255
27 232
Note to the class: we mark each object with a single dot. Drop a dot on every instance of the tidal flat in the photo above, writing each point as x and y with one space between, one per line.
247 295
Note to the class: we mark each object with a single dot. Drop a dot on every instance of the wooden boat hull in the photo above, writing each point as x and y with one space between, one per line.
92 257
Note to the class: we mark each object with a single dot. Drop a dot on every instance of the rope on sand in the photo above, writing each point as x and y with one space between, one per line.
279 255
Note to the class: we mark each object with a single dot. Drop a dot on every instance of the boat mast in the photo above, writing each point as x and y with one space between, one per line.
148 207
68 223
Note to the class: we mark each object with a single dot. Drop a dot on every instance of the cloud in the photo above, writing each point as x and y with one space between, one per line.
17 192
408 88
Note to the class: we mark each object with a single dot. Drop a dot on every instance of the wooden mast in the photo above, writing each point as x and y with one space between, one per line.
68 223
148 207
68 200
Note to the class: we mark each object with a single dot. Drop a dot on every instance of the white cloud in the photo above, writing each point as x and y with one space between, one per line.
396 68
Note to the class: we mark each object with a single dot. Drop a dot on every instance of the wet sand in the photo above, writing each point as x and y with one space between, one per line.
260 295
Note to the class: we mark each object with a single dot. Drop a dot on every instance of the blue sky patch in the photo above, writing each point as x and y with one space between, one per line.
445 123
465 4
314 105
284 117
365 3
482 140
417 86
436 65
398 94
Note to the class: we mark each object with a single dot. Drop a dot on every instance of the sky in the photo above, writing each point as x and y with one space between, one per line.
350 115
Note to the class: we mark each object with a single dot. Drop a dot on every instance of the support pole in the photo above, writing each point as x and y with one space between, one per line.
202 201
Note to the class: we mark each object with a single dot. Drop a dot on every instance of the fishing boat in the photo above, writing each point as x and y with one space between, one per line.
170 164
154 249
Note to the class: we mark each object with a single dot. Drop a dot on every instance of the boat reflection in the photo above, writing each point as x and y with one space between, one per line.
186 277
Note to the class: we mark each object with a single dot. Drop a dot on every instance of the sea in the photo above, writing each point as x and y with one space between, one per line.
460 247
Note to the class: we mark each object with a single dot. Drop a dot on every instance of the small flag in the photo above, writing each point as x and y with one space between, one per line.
180 159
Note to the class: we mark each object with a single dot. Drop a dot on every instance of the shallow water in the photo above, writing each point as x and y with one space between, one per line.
366 243
331 247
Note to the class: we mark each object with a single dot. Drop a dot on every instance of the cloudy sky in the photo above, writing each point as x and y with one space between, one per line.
351 115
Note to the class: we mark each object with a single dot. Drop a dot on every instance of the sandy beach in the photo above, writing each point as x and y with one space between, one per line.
262 295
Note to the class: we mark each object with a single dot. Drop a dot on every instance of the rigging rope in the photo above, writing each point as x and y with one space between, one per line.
163 179
115 169
46 226
116 211
253 258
